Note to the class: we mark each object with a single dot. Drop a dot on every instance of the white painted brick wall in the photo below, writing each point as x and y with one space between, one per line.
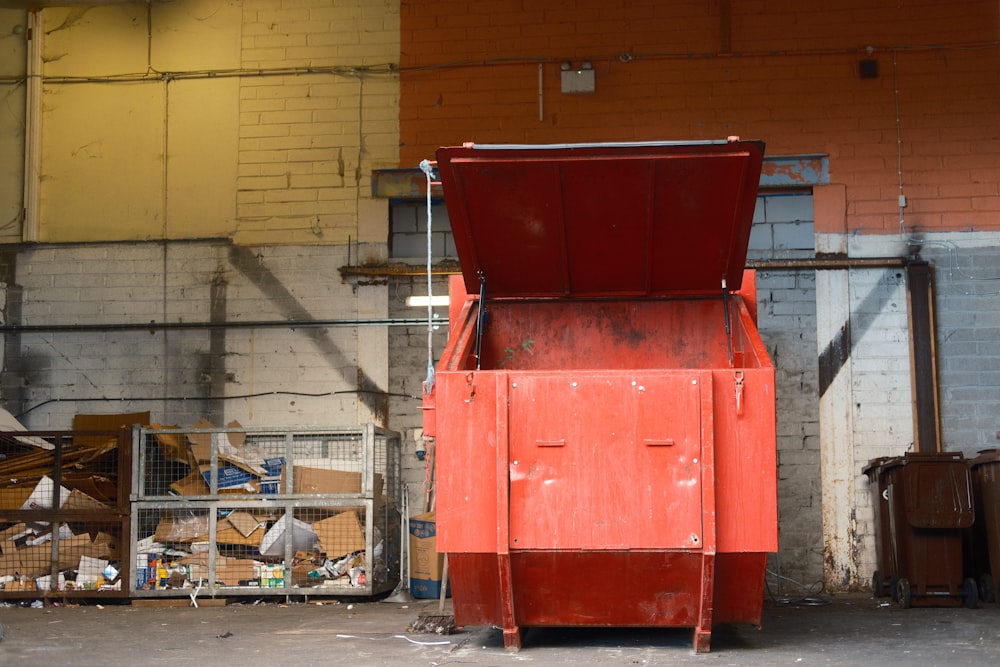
787 324
76 368
407 369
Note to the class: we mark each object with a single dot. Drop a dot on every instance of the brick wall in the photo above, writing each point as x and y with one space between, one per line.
308 141
967 282
407 370
470 73
258 121
304 376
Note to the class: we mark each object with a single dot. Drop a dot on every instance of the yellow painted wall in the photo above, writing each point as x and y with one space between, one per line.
258 120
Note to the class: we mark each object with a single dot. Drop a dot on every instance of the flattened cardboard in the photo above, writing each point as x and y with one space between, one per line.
14 497
226 533
192 485
340 535
229 571
321 481
78 501
244 522
10 562
173 445
230 450
105 423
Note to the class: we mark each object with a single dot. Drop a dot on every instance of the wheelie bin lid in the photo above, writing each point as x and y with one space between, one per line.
985 456
874 466
937 491
602 220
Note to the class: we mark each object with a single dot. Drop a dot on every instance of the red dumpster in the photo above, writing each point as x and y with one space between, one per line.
604 408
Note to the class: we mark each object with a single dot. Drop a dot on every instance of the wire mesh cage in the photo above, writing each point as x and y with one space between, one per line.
63 513
240 511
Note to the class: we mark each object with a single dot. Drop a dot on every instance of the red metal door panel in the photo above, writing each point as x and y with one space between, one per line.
564 476
597 463
467 452
667 470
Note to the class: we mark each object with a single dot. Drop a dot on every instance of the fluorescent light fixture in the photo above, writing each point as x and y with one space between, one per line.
424 301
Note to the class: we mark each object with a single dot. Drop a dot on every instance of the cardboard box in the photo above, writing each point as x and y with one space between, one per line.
235 571
10 563
192 485
426 564
229 477
13 497
319 480
105 423
340 535
228 571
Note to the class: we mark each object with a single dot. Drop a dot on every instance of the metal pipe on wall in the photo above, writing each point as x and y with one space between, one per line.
32 128
153 327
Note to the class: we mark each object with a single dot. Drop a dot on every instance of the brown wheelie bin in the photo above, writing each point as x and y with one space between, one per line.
930 508
884 578
985 470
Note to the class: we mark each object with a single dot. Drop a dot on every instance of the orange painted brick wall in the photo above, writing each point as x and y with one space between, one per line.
470 72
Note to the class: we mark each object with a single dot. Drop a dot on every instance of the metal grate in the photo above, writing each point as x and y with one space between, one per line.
63 513
253 511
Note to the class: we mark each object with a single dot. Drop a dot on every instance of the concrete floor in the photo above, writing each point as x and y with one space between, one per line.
850 630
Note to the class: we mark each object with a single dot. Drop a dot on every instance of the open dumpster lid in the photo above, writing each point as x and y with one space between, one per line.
602 220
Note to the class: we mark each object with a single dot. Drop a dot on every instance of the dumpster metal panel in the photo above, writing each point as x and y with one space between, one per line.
623 473
605 411
631 220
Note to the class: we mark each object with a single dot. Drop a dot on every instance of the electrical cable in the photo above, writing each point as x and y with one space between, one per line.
183 399
811 594
427 168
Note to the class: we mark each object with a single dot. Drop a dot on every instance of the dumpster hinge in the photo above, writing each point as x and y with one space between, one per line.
729 329
480 319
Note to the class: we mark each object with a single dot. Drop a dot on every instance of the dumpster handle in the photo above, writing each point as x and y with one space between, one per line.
738 378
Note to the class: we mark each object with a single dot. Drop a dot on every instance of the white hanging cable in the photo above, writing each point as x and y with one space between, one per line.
899 147
425 166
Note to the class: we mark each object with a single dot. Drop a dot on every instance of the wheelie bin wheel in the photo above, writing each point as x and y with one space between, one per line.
970 593
878 584
986 588
904 596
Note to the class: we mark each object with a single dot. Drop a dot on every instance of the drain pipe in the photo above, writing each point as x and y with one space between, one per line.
827 263
32 128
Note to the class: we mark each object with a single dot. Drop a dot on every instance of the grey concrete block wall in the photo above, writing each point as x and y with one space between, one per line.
266 376
787 324
967 309
407 371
